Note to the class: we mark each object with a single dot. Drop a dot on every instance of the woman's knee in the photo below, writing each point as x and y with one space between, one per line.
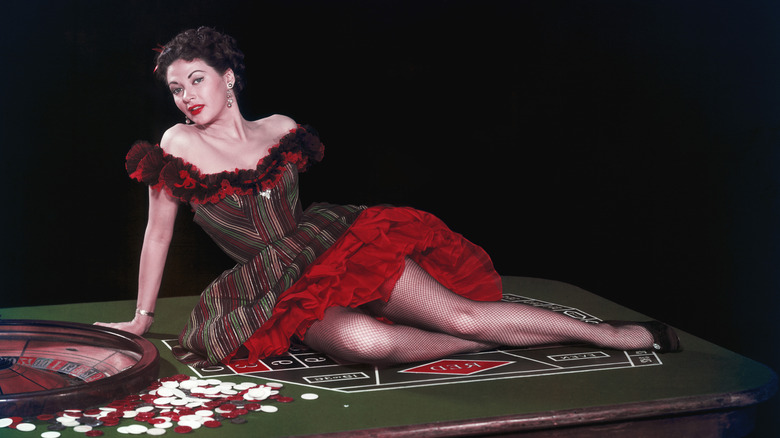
372 347
352 336
465 323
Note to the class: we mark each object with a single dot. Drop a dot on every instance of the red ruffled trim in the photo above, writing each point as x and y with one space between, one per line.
364 265
151 165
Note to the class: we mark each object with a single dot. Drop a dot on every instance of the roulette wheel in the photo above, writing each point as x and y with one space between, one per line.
48 366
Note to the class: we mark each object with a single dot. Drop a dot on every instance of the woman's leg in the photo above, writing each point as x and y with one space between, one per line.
419 300
352 335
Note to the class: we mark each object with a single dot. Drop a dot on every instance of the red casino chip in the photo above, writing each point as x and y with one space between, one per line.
212 404
230 415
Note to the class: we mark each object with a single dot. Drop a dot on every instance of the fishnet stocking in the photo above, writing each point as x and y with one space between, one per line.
433 322
352 335
419 300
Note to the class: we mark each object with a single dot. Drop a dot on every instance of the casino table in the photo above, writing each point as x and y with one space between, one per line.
561 390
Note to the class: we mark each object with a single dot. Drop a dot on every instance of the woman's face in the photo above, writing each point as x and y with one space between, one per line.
198 90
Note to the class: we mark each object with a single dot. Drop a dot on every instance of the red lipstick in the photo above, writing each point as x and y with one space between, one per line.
195 109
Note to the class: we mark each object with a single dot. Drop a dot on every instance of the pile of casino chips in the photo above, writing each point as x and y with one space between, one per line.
180 403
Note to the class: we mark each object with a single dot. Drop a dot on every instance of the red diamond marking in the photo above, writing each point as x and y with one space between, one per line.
454 366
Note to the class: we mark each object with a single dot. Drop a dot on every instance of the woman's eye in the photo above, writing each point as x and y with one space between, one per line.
197 80
175 91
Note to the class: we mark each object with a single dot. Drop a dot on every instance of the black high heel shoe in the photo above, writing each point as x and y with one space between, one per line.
665 339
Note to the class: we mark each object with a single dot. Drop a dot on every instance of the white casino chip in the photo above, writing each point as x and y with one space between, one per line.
25 427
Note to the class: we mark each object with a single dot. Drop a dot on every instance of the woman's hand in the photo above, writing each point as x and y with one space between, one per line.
138 326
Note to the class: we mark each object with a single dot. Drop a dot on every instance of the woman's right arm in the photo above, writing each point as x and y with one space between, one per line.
157 240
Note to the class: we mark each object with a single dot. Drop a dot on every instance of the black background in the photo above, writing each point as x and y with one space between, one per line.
627 147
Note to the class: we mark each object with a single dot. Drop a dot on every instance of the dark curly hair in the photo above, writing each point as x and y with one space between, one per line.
218 50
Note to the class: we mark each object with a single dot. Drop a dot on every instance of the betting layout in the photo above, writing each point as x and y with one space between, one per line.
306 367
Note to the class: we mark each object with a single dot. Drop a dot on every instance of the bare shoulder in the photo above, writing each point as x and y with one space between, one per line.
176 138
276 126
282 122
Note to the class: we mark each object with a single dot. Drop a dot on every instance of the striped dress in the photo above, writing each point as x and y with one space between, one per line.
292 264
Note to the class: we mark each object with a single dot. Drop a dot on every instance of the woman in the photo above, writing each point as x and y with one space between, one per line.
378 285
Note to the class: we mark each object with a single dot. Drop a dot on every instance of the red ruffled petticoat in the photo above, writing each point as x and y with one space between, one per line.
364 265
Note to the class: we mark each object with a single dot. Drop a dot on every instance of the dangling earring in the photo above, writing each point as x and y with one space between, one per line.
230 95
187 121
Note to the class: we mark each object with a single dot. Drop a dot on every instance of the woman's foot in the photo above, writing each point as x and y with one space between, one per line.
665 339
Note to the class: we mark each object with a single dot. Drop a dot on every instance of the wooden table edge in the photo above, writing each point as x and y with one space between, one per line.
726 403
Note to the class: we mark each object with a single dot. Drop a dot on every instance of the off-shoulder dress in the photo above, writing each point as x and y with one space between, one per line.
292 264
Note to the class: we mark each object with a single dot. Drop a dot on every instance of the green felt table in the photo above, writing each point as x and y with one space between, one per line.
705 390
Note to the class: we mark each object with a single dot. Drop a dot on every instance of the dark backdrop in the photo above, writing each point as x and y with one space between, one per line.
627 147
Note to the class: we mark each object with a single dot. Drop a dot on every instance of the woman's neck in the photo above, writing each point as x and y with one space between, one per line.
232 128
